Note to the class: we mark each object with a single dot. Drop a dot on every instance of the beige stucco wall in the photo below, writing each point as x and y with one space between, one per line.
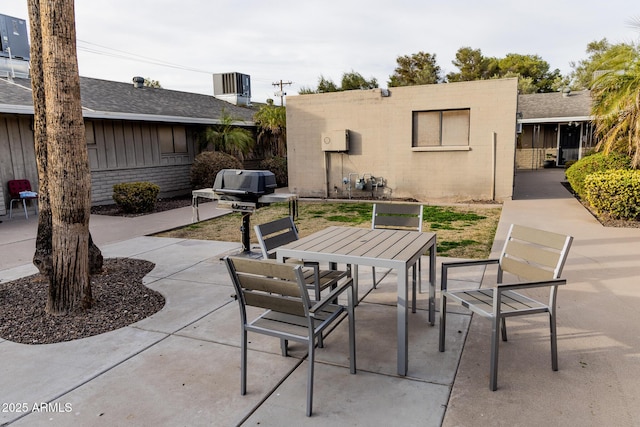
381 141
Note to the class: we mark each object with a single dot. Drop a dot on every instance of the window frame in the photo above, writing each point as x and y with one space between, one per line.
418 136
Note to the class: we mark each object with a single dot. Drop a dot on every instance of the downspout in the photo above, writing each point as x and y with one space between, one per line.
326 174
493 165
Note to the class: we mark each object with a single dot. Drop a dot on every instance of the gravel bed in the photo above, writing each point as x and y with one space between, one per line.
120 299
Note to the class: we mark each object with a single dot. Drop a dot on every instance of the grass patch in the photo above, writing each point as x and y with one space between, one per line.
463 231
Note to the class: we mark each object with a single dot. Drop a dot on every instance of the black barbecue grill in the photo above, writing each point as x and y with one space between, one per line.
244 185
247 190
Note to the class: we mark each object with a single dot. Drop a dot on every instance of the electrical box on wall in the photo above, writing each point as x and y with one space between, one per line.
335 140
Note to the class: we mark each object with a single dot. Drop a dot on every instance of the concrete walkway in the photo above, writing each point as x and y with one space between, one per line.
181 366
598 340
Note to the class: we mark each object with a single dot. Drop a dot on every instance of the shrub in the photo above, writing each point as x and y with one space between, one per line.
598 162
206 166
277 165
136 197
615 192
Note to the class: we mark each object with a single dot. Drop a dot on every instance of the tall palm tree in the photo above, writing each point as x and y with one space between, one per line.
63 233
229 138
272 129
616 101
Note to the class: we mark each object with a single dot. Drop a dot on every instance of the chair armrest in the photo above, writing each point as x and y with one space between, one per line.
470 263
329 299
503 287
312 264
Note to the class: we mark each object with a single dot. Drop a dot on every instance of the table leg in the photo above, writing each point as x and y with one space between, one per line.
415 280
354 275
195 211
403 335
432 284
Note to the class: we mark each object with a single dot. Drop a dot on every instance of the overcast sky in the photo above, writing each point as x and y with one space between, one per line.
297 41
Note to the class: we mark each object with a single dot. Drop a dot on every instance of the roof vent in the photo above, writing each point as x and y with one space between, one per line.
138 81
566 92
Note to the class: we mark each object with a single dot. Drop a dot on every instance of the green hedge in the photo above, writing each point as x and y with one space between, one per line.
598 162
206 166
615 192
136 197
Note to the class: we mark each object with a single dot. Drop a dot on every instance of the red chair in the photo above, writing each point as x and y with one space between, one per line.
16 187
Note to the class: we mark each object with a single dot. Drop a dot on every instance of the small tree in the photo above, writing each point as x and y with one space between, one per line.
616 101
417 69
272 129
472 65
326 85
228 137
354 81
582 71
529 66
350 81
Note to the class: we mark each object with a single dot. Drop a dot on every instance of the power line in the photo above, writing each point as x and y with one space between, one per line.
134 57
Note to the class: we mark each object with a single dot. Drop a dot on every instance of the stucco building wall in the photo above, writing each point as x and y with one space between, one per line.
381 129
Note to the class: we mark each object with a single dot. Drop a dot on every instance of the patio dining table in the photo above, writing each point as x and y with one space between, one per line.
394 249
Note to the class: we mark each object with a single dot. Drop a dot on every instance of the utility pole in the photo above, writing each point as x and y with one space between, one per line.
281 92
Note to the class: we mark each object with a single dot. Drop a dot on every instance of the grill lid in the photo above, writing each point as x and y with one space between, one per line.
242 184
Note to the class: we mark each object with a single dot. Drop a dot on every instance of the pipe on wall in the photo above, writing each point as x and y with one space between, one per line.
493 165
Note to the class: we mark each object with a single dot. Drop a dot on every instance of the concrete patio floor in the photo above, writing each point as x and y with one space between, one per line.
181 365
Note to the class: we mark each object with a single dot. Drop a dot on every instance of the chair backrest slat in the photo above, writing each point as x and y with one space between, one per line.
539 237
534 254
268 284
397 215
266 268
274 234
275 303
524 270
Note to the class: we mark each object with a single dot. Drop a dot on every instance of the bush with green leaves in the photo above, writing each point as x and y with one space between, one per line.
206 166
598 162
136 197
615 192
277 165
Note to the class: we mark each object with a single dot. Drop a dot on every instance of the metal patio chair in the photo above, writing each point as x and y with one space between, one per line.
537 258
399 216
274 234
16 187
289 314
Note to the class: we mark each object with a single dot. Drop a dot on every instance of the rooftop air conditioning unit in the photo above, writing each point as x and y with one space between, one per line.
335 140
232 87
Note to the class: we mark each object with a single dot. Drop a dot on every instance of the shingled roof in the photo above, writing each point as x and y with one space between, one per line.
555 107
116 100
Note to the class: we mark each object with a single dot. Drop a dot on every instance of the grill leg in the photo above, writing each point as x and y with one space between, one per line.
246 229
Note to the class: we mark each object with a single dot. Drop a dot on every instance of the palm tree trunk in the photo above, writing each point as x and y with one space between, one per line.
67 167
